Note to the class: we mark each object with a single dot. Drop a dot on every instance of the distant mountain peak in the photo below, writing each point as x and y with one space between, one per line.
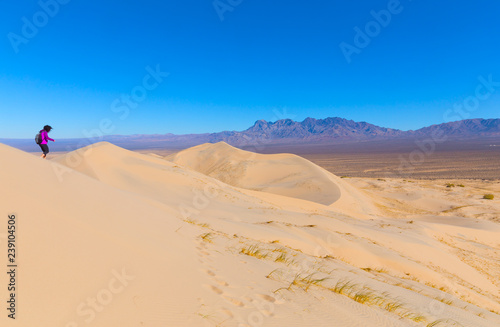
312 128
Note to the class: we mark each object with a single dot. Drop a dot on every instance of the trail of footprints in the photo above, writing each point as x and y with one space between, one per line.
264 305
222 288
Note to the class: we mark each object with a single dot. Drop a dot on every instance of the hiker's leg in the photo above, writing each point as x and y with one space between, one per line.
45 150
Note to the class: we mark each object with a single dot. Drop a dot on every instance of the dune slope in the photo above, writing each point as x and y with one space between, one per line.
116 238
283 174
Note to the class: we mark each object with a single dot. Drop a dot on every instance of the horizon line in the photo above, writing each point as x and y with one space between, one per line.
272 122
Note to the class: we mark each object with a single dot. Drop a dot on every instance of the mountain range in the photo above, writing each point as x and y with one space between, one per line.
286 131
322 131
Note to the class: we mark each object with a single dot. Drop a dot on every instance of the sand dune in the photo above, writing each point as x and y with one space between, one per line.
283 174
80 238
215 238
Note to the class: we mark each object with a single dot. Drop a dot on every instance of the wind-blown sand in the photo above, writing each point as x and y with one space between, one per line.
215 236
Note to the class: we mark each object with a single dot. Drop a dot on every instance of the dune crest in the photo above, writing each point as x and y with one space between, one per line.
284 174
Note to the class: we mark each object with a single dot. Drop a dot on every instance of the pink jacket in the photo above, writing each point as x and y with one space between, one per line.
45 137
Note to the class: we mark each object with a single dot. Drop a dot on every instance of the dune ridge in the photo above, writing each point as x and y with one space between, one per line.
283 174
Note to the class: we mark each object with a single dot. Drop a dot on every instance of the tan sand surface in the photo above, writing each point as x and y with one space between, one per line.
220 237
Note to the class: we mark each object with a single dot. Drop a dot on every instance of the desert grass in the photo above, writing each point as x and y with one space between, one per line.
254 251
276 272
342 287
488 196
353 290
455 208
285 258
303 282
197 223
281 258
447 322
281 249
212 319
444 300
207 237
365 295
378 270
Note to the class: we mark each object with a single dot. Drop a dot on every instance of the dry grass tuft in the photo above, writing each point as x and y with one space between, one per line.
365 295
448 322
194 222
305 282
254 251
207 237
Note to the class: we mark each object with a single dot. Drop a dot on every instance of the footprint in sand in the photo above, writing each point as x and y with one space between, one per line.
256 299
221 282
214 289
222 288
227 312
267 298
233 301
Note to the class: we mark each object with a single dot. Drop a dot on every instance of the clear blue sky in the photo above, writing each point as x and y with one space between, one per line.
265 60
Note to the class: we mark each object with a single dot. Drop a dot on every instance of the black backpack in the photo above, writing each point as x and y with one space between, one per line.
38 138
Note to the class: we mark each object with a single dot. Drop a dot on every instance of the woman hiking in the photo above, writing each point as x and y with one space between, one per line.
44 134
